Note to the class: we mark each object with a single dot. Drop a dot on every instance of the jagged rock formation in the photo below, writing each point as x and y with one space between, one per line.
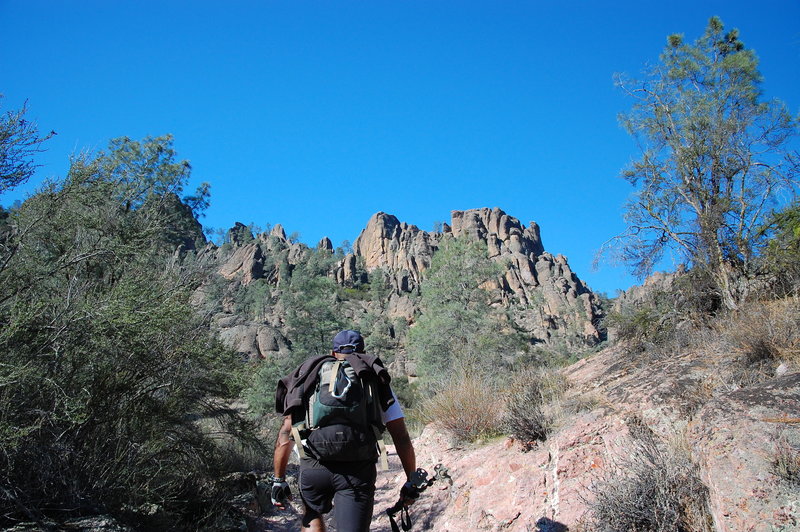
399 248
550 295
549 299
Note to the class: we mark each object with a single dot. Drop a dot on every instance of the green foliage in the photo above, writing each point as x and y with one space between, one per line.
310 301
380 335
312 317
19 143
459 331
106 366
379 285
253 300
713 157
659 318
782 257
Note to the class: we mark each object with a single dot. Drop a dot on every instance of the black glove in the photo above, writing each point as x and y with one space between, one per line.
409 492
280 492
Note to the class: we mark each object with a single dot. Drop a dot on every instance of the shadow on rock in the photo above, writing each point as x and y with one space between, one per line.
548 525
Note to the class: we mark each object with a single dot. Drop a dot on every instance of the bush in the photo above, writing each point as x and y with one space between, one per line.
659 316
761 335
786 463
782 255
527 417
466 408
653 489
106 367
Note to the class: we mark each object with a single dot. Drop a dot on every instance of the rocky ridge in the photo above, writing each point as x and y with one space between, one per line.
550 301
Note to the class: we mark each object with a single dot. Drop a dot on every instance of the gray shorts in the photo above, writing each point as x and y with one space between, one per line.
348 487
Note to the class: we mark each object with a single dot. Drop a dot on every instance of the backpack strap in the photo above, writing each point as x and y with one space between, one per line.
298 442
384 455
334 374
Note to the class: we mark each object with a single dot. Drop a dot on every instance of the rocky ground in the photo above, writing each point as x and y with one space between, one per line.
734 437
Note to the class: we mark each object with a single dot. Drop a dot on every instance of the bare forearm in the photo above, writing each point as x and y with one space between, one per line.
283 448
403 445
408 457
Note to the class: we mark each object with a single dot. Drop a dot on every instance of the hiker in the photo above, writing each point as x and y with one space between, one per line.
339 453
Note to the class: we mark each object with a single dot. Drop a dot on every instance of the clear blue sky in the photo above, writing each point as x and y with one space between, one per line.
316 115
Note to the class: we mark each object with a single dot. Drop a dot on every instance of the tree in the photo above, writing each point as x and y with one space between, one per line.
715 158
313 315
19 142
782 256
106 366
458 331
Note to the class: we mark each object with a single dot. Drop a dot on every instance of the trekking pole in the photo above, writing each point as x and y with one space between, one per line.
418 483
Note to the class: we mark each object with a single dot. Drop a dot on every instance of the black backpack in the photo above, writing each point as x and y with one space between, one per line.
342 417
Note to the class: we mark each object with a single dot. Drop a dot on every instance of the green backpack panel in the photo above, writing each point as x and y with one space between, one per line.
342 417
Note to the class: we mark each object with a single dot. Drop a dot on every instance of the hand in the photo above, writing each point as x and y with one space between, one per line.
409 493
280 493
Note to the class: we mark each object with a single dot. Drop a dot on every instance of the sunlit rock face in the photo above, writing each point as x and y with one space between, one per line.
549 294
546 297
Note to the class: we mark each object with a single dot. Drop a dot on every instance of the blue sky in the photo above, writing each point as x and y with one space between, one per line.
316 115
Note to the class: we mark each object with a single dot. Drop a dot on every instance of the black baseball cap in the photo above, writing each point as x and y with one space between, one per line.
348 341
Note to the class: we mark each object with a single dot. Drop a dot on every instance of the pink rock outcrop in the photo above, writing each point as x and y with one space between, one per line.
733 436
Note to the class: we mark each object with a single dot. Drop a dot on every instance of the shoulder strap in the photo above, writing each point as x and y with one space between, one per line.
334 374
298 442
374 408
384 455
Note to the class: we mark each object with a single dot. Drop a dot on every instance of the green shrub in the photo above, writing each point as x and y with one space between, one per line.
458 329
106 366
667 316
782 255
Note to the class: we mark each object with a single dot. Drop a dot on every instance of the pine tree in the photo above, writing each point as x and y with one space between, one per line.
715 157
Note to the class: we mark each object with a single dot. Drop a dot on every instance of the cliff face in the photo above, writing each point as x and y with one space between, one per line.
401 249
548 299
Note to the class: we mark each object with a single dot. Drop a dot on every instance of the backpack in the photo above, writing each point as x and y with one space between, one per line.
342 417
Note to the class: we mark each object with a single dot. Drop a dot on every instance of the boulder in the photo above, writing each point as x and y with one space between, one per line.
246 262
737 439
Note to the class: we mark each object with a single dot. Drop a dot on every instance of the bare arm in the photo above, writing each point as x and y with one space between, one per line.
283 447
403 446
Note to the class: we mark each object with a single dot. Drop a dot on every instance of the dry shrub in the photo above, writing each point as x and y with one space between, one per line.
786 463
654 488
765 334
466 407
582 403
532 404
